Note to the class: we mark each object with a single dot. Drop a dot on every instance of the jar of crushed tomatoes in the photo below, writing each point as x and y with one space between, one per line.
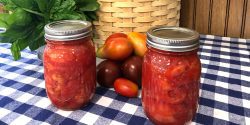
171 75
69 63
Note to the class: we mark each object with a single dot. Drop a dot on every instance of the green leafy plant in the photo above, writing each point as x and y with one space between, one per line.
26 20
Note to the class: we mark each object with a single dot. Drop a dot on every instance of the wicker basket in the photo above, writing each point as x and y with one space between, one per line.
134 15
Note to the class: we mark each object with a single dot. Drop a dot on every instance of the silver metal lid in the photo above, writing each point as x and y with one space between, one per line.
175 39
67 30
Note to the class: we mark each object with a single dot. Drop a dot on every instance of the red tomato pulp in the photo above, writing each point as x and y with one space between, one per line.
170 86
70 72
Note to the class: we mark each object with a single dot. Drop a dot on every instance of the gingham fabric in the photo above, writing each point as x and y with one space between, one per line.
224 95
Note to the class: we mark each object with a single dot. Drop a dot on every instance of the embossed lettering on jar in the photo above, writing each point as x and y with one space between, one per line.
171 75
69 64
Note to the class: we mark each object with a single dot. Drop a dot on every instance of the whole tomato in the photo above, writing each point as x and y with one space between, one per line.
126 87
118 48
115 35
107 72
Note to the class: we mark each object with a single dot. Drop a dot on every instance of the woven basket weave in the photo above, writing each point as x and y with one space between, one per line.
134 15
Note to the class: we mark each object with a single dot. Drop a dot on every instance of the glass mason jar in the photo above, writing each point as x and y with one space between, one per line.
69 63
171 75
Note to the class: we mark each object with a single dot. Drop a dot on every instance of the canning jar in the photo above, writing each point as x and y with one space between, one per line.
171 75
69 63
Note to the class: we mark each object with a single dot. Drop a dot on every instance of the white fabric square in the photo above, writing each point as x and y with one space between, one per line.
242 40
226 39
210 36
63 113
45 123
4 112
129 108
116 123
7 91
209 42
14 63
25 97
246 103
8 75
89 118
245 89
207 47
26 79
245 68
224 74
21 120
41 85
226 65
204 70
204 61
104 101
245 52
247 120
224 57
225 49
225 44
43 103
221 84
243 46
244 59
220 114
221 98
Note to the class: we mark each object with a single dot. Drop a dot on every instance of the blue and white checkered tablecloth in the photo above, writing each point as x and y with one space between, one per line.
224 95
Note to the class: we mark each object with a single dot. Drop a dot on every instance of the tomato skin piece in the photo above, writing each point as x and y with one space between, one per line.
126 87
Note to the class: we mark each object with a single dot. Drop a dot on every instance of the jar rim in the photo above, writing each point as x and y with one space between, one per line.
67 30
175 39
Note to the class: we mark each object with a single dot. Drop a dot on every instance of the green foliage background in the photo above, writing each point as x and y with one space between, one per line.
27 18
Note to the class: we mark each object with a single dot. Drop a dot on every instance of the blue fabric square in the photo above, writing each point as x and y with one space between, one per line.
42 93
29 73
9 83
23 108
13 69
2 123
122 98
68 121
26 88
43 115
236 110
204 119
5 100
110 113
206 102
136 120
235 94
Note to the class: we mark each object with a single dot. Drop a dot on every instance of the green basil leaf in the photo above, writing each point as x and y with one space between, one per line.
4 2
28 4
43 5
69 15
3 18
19 17
36 38
17 32
63 5
17 47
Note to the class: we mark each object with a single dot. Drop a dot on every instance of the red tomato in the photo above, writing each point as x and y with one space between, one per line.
125 87
118 48
116 35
